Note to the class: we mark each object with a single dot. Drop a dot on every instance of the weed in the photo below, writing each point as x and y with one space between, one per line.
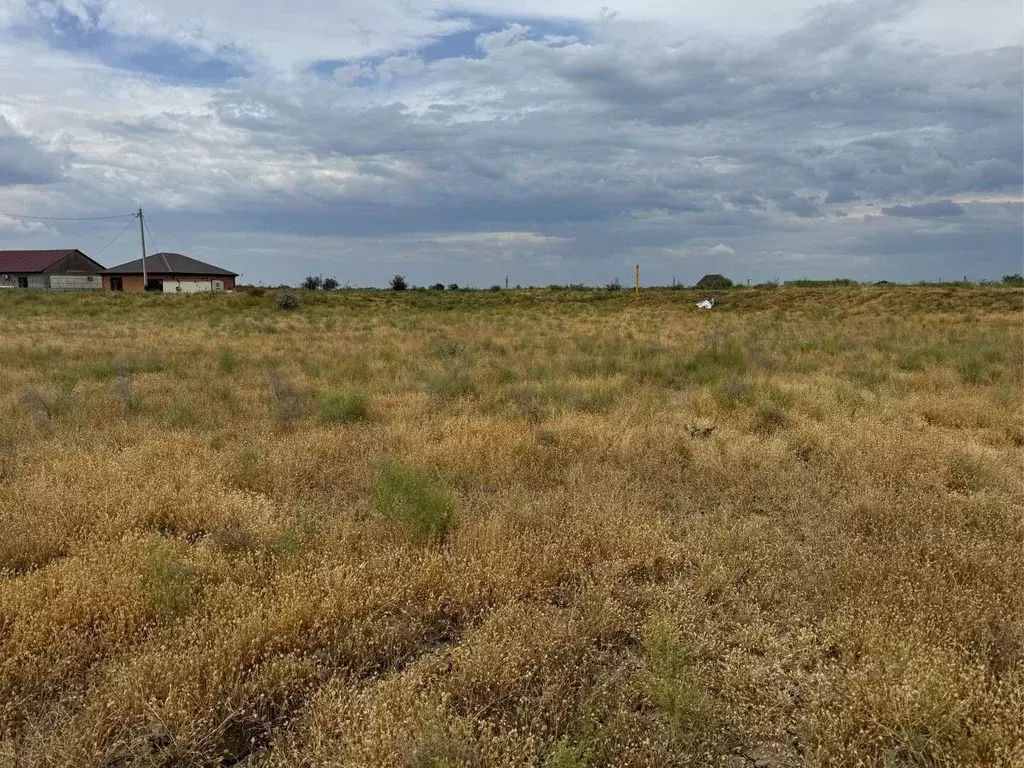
171 585
968 474
972 369
123 389
671 678
343 408
452 383
565 754
226 360
416 500
287 301
289 401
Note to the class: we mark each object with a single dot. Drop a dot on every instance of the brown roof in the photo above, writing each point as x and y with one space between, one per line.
31 261
169 264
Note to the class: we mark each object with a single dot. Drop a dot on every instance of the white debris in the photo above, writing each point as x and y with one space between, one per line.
706 304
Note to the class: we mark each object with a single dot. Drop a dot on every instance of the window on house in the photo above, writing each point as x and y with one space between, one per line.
23 282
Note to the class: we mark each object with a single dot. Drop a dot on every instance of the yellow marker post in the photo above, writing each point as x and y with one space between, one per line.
636 290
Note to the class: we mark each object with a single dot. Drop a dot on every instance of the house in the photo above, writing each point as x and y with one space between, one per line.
169 273
63 270
714 282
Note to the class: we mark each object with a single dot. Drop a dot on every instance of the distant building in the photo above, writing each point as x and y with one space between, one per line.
714 282
169 273
64 270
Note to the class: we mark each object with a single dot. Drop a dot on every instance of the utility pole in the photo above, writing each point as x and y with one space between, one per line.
506 282
636 289
142 234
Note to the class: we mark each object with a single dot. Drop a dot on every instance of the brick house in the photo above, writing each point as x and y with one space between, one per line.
168 273
61 270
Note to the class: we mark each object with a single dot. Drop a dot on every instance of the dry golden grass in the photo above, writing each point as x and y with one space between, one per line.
548 529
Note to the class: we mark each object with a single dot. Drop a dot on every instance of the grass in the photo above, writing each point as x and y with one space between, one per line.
515 528
343 408
414 499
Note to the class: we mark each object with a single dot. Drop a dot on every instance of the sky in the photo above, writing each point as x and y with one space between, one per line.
551 141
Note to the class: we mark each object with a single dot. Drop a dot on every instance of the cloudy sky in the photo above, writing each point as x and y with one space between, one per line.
549 140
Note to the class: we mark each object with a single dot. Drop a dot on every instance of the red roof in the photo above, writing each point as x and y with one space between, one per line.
30 261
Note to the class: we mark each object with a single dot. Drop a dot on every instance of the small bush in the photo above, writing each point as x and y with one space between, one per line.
671 678
971 369
122 388
968 474
414 499
287 301
495 288
171 585
47 406
289 403
1015 280
330 284
343 408
454 382
565 754
437 287
453 286
226 360
769 419
255 290
398 283
312 283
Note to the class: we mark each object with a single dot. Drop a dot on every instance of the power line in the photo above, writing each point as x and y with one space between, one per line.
63 218
149 232
101 250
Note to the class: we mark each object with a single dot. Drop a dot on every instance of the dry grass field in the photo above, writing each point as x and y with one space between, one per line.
555 529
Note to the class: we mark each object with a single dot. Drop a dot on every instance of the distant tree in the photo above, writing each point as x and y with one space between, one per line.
453 286
1013 279
495 287
330 284
437 287
398 283
614 285
312 283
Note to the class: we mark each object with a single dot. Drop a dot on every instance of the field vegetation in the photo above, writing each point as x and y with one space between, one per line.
561 529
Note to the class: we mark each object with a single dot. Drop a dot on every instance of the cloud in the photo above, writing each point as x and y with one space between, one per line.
935 210
574 142
722 248
23 161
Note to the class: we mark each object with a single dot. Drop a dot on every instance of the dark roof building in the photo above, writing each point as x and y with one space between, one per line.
169 264
65 269
169 273
714 282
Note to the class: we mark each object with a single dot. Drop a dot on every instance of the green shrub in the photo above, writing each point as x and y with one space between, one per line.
287 301
565 754
171 585
971 369
398 283
671 678
288 400
1016 280
343 408
452 383
414 499
226 359
968 474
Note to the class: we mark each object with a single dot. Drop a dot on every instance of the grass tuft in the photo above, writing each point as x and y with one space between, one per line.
343 408
414 499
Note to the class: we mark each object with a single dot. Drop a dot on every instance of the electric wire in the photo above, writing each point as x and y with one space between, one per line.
101 250
65 218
